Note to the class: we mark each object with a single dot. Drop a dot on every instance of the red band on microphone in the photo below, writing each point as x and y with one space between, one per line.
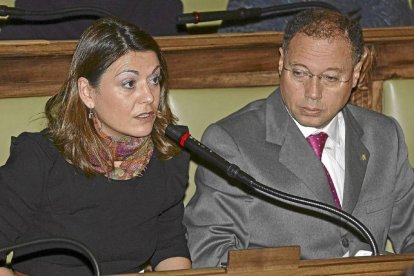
196 17
184 138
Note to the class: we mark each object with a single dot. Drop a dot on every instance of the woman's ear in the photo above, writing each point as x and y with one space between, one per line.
86 92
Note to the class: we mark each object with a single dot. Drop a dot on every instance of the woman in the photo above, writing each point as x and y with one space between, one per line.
102 173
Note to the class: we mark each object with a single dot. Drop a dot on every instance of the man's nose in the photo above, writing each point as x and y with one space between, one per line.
313 88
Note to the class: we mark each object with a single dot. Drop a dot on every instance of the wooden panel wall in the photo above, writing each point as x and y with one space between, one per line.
38 68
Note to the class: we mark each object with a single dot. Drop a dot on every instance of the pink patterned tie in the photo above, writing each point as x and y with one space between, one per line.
317 142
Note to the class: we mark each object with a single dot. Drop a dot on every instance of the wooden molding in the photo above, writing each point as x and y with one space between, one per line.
39 67
285 261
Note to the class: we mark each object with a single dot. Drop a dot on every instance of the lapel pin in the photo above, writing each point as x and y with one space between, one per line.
363 157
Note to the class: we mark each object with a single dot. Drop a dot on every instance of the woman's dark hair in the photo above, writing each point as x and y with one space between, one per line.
100 45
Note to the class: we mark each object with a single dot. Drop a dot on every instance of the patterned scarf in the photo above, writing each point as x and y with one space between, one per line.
134 154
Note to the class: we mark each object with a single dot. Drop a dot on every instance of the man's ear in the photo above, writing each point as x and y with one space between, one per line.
356 73
359 68
86 92
280 60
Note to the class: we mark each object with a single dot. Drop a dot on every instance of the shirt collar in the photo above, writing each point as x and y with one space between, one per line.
332 128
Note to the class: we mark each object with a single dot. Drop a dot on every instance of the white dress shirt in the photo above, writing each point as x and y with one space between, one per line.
333 155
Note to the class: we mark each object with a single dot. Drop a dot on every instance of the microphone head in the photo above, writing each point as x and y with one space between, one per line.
175 132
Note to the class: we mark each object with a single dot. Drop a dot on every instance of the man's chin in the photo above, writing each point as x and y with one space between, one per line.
312 122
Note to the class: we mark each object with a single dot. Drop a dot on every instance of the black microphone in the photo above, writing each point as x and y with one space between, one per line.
250 13
180 135
56 243
197 17
47 15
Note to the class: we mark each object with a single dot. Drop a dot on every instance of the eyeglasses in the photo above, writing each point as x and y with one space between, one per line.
328 80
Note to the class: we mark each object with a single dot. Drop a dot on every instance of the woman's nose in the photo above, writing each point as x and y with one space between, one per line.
145 94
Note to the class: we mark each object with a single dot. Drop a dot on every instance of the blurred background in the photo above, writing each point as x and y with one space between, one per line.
158 17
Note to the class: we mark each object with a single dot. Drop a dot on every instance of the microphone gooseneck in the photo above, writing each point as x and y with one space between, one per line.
250 13
47 15
180 135
68 243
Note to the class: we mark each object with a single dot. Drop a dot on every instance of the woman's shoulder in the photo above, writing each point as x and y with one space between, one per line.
178 162
31 138
34 142
173 168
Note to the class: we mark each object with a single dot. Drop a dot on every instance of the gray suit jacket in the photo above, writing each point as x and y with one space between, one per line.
263 140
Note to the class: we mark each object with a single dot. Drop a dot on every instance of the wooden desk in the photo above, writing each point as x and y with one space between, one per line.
285 261
38 68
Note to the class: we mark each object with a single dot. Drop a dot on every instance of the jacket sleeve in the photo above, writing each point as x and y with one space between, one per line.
218 214
171 231
401 231
21 185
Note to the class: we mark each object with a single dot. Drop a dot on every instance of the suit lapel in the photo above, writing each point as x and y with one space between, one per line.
295 153
298 157
356 161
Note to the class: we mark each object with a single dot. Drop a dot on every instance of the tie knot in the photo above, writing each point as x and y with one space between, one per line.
317 142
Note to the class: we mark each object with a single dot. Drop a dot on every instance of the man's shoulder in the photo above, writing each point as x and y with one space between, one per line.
238 126
371 121
248 121
368 116
252 111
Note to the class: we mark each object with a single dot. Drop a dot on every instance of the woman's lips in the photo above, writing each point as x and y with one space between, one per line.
145 116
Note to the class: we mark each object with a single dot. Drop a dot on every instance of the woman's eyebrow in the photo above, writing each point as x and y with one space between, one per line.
128 71
155 69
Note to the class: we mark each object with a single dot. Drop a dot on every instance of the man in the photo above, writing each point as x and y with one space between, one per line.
364 168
